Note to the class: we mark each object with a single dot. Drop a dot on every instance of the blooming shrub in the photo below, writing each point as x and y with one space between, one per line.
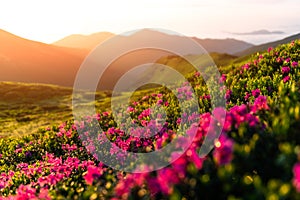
257 155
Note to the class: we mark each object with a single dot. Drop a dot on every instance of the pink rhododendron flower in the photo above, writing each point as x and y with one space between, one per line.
166 179
205 96
125 184
194 158
285 70
223 78
294 64
144 114
44 194
246 66
19 150
223 152
185 92
25 192
296 179
219 114
59 134
256 92
270 49
228 94
247 96
93 173
69 133
260 103
197 74
286 79
130 109
159 102
180 164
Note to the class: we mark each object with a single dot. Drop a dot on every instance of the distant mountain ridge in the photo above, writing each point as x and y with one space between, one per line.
229 46
223 46
83 41
23 60
264 47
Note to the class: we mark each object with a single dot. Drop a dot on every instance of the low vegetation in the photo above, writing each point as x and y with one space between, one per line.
257 155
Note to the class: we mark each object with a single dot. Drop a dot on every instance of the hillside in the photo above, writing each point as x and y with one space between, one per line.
83 41
157 74
27 107
229 46
23 60
264 47
253 140
223 46
131 59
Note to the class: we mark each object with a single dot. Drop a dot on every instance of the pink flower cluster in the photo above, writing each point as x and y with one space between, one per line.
296 179
63 132
286 63
205 96
185 92
255 93
164 180
68 147
145 113
228 95
47 173
26 192
246 66
285 69
93 172
223 152
245 114
286 79
223 78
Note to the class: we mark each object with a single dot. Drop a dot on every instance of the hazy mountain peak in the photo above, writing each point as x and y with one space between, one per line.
260 32
84 41
229 45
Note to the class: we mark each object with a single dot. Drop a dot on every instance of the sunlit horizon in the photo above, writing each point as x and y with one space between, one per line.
49 21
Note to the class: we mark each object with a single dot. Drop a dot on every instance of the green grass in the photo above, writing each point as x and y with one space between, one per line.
27 107
24 108
261 130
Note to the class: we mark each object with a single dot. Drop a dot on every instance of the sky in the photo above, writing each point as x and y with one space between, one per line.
50 20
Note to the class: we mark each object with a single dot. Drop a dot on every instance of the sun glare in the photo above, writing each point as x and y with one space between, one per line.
48 21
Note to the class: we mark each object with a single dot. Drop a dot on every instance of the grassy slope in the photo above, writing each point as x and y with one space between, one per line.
253 155
264 47
223 61
24 108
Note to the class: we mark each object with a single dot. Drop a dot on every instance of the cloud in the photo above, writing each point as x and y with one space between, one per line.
260 32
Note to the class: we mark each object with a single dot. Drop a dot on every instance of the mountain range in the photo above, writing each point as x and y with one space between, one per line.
229 46
263 47
23 60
